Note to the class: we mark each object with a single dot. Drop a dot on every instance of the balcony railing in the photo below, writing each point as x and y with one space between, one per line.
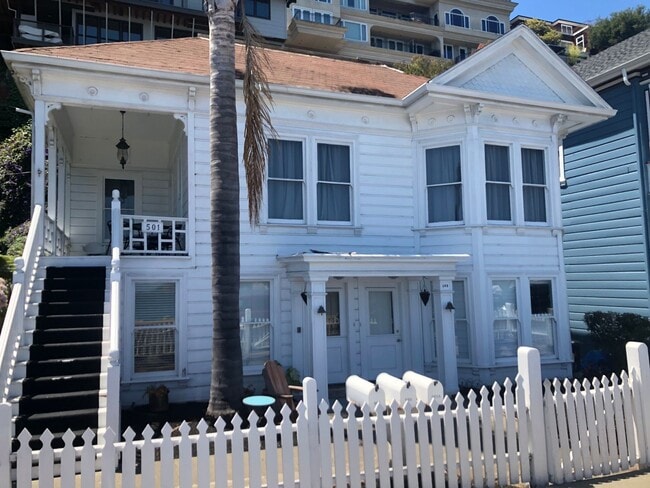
148 235
405 16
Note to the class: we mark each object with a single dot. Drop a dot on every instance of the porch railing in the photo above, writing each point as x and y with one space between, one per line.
144 234
13 326
55 242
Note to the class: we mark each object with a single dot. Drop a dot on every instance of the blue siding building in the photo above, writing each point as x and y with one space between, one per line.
605 204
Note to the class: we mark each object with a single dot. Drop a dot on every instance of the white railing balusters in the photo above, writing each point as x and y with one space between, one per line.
146 234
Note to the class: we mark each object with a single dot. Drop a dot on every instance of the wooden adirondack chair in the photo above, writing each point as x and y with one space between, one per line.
277 385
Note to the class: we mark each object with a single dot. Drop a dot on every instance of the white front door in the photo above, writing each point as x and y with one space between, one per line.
337 336
381 339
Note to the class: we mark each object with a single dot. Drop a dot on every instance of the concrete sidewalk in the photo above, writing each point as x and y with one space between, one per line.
629 479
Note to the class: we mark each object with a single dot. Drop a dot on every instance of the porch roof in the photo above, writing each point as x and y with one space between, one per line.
191 56
323 265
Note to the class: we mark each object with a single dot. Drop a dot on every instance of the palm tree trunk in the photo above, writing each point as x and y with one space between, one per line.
226 385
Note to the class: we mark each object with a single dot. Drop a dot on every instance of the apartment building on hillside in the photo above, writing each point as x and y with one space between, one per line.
373 30
573 33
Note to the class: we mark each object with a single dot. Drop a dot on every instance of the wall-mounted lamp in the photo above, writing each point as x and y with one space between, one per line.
303 295
321 310
424 293
450 306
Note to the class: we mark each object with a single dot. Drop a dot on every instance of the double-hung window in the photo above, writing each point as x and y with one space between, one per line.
285 180
534 184
444 184
505 318
155 331
334 186
255 322
258 8
497 186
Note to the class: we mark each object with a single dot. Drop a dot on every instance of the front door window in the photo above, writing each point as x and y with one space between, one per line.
381 312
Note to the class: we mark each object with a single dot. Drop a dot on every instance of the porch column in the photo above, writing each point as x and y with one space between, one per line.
446 334
52 157
316 300
38 153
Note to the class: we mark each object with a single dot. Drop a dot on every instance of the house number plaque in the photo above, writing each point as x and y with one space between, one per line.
153 227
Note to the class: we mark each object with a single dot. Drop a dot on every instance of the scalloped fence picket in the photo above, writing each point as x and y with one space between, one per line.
521 431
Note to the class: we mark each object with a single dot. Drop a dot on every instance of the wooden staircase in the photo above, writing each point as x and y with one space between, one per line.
62 377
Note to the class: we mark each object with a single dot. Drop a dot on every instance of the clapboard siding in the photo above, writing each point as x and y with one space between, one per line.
605 248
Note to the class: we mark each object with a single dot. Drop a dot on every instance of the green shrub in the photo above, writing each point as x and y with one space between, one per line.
611 331
12 242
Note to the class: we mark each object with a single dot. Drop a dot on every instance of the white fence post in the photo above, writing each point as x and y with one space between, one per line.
638 366
530 369
5 445
310 399
116 220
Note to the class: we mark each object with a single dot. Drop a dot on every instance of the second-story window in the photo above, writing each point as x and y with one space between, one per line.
497 182
355 31
285 180
566 29
358 4
444 185
334 183
457 18
492 24
258 8
534 185
93 30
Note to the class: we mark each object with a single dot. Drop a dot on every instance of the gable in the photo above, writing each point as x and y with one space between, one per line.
520 67
512 77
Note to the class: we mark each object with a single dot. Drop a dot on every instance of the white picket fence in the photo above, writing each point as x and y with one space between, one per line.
512 433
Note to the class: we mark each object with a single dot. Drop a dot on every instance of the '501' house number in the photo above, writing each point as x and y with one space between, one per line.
152 227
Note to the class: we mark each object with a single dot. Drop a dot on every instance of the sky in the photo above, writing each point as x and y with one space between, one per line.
576 10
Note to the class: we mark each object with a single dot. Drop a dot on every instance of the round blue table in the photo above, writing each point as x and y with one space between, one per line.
258 401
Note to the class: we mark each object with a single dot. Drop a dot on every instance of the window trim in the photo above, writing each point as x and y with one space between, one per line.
552 280
533 223
274 315
518 318
350 184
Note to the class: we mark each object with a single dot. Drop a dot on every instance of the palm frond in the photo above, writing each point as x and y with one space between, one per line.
258 100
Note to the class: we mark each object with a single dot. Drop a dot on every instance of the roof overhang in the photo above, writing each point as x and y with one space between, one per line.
310 266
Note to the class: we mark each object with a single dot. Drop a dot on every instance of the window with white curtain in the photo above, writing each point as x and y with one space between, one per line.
155 331
285 180
534 184
505 318
497 185
334 183
444 184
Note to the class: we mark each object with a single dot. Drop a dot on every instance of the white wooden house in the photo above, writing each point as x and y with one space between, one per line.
380 186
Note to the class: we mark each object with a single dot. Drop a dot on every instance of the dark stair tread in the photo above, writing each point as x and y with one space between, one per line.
67 335
46 322
62 377
63 360
64 344
60 414
54 396
67 271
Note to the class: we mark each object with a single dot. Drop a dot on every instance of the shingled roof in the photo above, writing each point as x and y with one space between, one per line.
615 57
191 55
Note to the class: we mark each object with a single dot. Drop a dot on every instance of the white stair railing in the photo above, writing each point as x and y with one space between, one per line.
113 370
14 322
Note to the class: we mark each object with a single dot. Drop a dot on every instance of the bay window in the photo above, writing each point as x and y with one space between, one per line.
444 184
534 185
497 186
505 318
542 322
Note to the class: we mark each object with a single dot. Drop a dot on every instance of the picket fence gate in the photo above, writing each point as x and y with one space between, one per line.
517 432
